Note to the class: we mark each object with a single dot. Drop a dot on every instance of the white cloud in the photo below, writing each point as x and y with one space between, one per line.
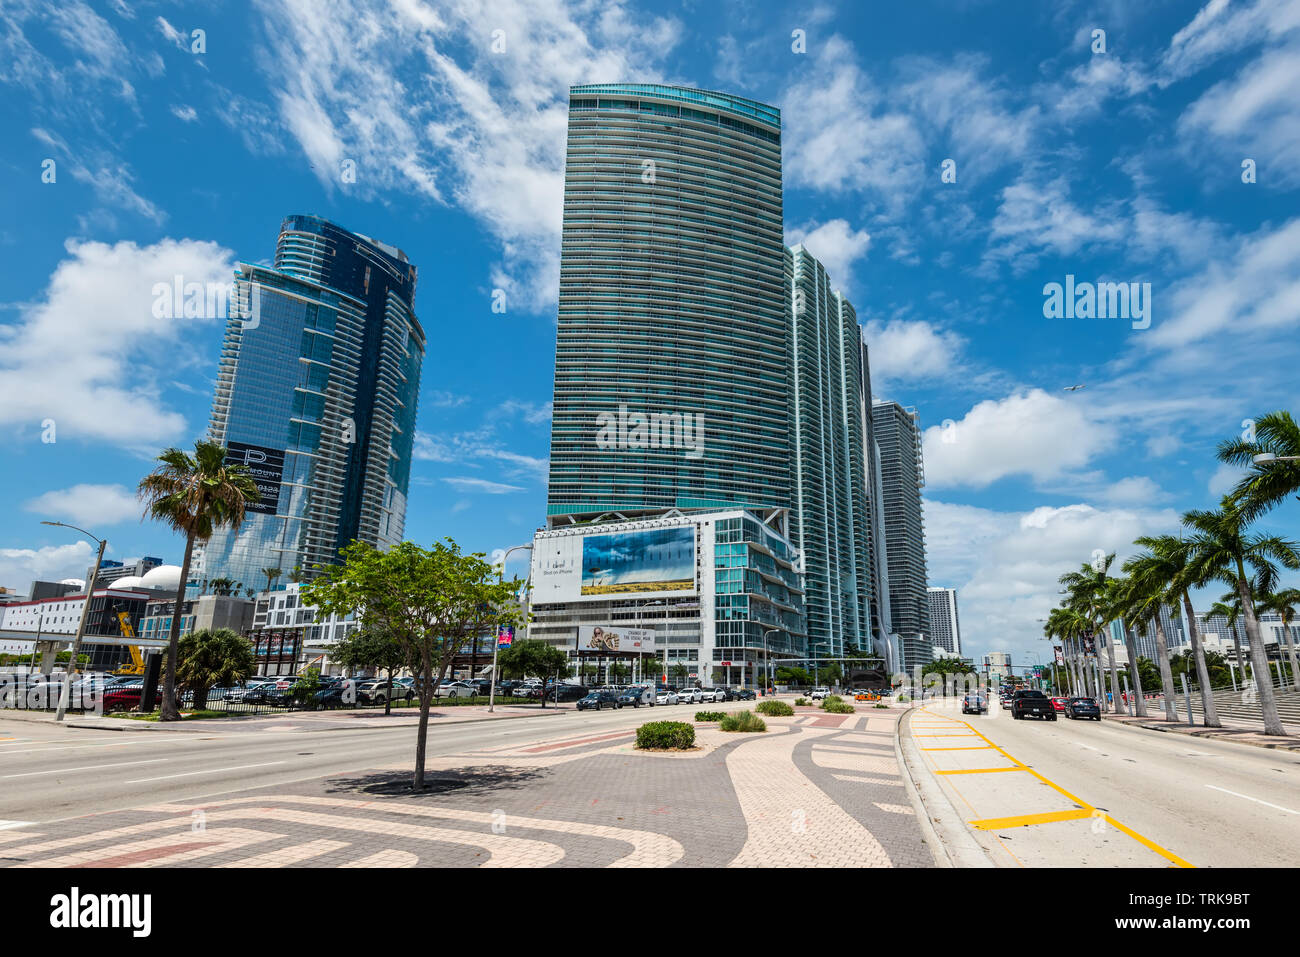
422 103
90 355
902 350
836 244
1005 565
19 567
186 114
476 449
1223 479
1030 433
462 484
1036 218
88 504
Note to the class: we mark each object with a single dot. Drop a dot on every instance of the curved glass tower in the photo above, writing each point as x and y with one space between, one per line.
671 376
317 393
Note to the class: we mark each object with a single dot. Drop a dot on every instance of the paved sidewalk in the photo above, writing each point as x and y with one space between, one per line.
1238 734
816 790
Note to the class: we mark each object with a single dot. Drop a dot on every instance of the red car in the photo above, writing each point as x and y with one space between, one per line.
1059 704
123 697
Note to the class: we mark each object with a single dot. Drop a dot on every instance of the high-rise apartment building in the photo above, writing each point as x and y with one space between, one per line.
831 511
898 436
672 350
945 630
316 393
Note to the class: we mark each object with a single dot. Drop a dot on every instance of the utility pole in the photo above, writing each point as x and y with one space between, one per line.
71 673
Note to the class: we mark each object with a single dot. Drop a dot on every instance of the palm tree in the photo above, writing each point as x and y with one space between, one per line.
1230 610
1268 483
1090 590
194 494
271 575
1068 626
210 658
221 586
297 575
1174 554
1128 606
1154 583
1221 549
1283 603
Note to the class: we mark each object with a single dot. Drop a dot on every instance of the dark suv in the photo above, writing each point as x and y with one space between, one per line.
1032 702
1082 708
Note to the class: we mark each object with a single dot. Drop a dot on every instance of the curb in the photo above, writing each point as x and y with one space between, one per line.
949 841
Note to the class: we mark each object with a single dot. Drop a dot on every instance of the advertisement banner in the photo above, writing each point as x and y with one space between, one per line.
266 467
649 560
1060 654
505 636
612 639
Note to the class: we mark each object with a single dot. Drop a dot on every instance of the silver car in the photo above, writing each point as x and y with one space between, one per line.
666 696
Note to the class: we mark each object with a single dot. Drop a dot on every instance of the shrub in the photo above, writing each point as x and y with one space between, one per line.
831 699
774 709
882 706
666 735
839 707
745 720
801 702
710 715
904 698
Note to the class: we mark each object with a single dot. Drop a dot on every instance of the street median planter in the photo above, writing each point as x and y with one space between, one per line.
745 721
665 736
774 709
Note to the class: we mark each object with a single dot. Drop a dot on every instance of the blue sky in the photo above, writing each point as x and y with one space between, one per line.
1122 164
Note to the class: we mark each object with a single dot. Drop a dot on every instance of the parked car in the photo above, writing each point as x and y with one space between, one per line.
819 693
1032 702
664 696
124 697
566 692
1058 703
743 694
1082 708
690 695
508 688
375 691
711 695
334 696
974 704
455 689
636 696
599 700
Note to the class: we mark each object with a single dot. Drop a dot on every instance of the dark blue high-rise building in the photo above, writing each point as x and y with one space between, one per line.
316 393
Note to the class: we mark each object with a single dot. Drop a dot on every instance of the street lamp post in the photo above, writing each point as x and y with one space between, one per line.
767 661
496 639
66 693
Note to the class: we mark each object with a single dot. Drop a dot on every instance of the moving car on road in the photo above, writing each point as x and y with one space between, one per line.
1032 702
1059 704
1082 708
974 704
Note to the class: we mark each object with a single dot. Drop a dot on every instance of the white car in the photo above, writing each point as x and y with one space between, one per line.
666 696
818 693
455 689
690 695
712 695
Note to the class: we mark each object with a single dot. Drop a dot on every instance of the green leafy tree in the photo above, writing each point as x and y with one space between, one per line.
194 495
210 658
308 684
1222 547
370 647
1284 603
679 671
529 657
1092 593
1267 484
433 601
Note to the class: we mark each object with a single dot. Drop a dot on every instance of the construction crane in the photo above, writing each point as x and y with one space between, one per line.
136 667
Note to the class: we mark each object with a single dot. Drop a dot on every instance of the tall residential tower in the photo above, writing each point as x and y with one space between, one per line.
317 393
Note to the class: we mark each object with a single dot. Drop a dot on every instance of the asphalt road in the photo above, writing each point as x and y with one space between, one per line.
48 773
1099 794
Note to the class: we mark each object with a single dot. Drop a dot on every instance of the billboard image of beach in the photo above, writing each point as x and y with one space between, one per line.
657 559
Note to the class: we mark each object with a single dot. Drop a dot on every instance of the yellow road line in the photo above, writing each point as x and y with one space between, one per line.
983 770
1023 820
1149 844
977 747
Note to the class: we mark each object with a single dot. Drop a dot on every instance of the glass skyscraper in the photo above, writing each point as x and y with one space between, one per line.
831 515
672 352
316 393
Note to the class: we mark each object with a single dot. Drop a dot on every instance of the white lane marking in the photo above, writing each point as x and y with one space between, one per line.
190 774
8 825
1276 807
1089 747
88 767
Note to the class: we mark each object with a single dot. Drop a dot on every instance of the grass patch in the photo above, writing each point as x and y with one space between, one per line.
801 702
745 720
773 709
710 715
882 706
155 715
665 736
838 707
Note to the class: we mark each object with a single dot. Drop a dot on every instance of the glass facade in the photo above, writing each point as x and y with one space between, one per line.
324 376
672 312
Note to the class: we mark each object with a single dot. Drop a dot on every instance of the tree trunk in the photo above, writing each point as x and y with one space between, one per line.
1130 643
388 698
169 711
1290 653
1166 673
426 687
1114 673
1211 717
1236 645
201 698
1258 663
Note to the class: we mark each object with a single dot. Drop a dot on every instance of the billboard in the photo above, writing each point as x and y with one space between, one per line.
617 639
652 559
640 563
266 466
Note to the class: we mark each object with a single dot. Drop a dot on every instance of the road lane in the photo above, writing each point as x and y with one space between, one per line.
1208 802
